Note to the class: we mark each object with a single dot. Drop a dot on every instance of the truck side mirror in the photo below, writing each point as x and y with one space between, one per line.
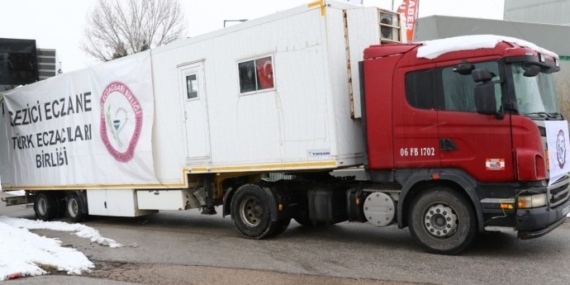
464 68
532 71
485 99
481 75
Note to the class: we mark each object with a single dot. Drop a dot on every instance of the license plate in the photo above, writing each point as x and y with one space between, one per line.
566 210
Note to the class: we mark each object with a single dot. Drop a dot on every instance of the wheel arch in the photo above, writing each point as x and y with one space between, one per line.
452 178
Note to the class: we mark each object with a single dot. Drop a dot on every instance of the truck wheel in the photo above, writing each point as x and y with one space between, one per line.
46 206
74 208
250 209
279 227
442 221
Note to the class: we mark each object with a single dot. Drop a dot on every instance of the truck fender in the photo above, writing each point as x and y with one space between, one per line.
227 201
273 206
464 180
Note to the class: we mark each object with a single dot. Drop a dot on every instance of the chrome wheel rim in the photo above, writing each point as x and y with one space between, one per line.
42 207
440 220
251 211
72 207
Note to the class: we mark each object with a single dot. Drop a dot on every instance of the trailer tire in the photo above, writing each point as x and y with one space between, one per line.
251 214
46 206
442 221
279 227
61 204
74 208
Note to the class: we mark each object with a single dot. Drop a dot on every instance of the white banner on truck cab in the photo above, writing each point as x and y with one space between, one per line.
558 149
90 127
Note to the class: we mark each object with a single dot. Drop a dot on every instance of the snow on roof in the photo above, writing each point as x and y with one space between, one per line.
435 48
23 252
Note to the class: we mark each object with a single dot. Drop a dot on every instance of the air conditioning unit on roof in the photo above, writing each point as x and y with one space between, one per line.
390 28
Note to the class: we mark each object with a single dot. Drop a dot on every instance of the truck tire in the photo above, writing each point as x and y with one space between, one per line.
74 207
442 221
46 206
250 209
279 227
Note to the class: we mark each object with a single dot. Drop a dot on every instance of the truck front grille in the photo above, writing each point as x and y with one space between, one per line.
559 192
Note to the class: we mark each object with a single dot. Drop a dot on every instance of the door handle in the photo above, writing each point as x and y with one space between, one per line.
447 145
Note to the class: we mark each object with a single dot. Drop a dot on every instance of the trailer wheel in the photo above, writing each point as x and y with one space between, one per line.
46 206
279 227
74 207
250 209
442 221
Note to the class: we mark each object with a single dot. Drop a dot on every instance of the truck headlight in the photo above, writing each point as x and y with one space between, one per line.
531 201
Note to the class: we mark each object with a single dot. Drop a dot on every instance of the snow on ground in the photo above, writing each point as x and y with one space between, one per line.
16 193
23 253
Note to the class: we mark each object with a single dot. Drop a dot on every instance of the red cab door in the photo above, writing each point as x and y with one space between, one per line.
416 137
478 144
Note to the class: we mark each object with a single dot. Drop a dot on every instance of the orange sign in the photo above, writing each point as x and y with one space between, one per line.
409 8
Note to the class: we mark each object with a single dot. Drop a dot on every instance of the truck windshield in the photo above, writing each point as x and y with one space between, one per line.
536 95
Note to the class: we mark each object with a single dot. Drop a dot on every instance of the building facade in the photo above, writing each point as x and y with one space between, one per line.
48 64
538 11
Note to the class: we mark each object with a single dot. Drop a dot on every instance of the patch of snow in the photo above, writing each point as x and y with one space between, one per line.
22 253
16 193
433 49
78 229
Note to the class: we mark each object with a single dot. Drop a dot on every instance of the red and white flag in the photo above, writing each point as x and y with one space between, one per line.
409 8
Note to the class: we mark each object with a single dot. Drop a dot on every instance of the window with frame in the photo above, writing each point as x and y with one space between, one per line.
458 89
256 74
419 89
191 86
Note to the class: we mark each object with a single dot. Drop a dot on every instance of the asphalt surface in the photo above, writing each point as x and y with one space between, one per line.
187 248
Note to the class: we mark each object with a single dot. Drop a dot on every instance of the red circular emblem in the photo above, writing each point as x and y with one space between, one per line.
121 121
561 149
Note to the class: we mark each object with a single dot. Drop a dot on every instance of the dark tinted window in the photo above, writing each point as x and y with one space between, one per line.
256 74
420 89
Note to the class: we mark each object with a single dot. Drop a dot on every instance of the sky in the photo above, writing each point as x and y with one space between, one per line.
59 24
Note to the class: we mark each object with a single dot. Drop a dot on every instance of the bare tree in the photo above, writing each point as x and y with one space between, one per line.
116 28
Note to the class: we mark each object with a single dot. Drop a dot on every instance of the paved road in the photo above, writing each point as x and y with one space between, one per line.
185 247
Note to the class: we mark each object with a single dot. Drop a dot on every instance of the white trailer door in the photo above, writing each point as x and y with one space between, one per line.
196 113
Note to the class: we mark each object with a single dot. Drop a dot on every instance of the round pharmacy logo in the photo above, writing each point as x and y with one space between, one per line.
121 121
561 149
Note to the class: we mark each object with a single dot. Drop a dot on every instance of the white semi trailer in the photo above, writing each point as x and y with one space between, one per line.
184 126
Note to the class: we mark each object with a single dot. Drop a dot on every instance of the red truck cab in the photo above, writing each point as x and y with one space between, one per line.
466 117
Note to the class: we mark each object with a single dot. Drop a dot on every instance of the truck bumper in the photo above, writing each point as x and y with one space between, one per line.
533 223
